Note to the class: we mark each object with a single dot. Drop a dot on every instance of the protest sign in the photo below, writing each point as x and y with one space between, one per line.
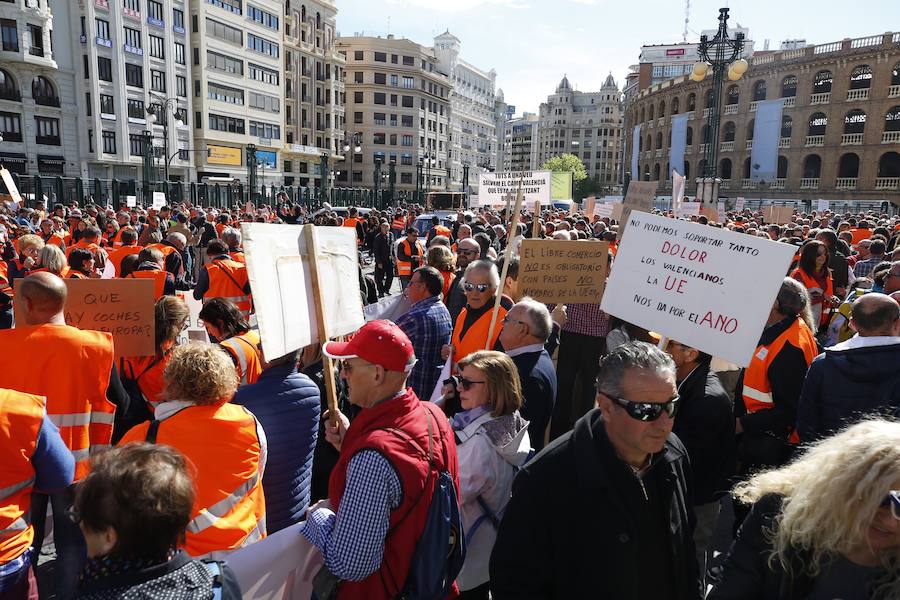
131 201
823 205
640 197
494 188
706 287
563 271
721 217
279 567
390 308
778 215
689 209
739 203
11 187
589 204
159 200
122 307
194 330
612 210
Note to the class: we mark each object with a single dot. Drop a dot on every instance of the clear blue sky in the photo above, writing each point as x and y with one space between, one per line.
532 43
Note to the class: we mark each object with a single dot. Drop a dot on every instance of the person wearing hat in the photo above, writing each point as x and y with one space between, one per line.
381 488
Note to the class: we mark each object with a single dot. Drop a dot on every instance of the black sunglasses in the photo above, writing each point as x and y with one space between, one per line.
466 384
481 287
647 411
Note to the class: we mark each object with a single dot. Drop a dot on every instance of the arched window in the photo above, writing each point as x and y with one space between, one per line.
892 119
759 90
675 105
8 88
640 144
687 170
318 21
662 108
659 140
733 96
643 115
646 172
655 172
855 122
649 145
303 13
669 139
650 113
704 134
728 132
889 165
668 172
822 82
750 127
747 168
708 99
817 124
787 124
782 167
689 136
861 77
725 168
812 166
848 166
691 101
43 92
789 86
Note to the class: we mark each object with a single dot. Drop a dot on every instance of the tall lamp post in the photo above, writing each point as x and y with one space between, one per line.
354 144
323 177
419 181
377 180
721 56
158 111
429 162
252 164
465 187
392 182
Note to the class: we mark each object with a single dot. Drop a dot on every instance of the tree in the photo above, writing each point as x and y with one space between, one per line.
587 186
567 162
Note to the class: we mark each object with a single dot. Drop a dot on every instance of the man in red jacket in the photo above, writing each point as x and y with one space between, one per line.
380 490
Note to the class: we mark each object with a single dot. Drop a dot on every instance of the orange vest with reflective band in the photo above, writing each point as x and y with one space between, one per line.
238 256
757 391
476 336
69 367
246 352
93 248
117 239
812 285
398 224
227 279
444 231
158 277
221 441
166 250
404 268
117 255
149 374
21 416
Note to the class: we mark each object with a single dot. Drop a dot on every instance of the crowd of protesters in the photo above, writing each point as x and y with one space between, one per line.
568 453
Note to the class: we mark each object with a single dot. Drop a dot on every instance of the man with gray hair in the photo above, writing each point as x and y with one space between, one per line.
232 238
617 488
174 248
526 328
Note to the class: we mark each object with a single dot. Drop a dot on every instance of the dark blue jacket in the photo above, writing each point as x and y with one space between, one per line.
538 379
843 384
286 403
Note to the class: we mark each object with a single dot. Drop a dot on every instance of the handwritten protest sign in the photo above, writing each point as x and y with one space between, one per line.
739 204
778 215
689 209
495 188
612 210
122 307
194 331
563 271
640 197
706 287
11 187
159 200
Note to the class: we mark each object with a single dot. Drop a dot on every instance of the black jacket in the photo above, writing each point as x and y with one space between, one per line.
844 384
538 379
705 425
381 248
569 531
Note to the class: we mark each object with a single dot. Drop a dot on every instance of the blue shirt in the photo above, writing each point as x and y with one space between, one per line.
428 326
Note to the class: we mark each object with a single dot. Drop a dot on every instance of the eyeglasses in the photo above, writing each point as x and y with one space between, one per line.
73 515
893 500
481 287
647 411
466 384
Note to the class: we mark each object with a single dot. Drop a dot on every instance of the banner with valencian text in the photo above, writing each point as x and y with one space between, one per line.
679 139
635 146
766 135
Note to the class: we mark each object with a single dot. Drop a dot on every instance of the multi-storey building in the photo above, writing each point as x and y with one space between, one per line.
586 124
398 110
314 93
520 145
473 140
237 86
35 91
840 129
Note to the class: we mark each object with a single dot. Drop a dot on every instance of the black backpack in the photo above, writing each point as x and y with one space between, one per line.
136 411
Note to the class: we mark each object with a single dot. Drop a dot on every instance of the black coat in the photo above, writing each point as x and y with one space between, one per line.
538 379
705 425
568 531
381 248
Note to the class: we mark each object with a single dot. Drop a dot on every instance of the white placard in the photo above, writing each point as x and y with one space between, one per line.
279 567
707 287
823 205
195 331
11 186
493 188
131 201
608 209
739 204
689 209
159 200
720 212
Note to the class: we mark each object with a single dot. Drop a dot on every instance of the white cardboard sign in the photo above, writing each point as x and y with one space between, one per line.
11 187
494 188
689 209
706 287
159 200
823 205
131 201
739 204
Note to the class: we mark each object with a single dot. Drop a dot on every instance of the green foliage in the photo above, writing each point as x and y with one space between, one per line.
567 162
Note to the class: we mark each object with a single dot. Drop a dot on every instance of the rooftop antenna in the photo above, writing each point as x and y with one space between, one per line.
687 20
389 25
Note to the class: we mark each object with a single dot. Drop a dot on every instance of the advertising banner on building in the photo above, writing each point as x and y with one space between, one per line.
223 155
679 139
635 146
766 136
495 188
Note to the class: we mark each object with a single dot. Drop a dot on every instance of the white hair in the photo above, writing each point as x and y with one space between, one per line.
561 235
231 237
537 316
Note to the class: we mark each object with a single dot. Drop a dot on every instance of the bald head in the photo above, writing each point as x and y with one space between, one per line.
875 314
41 298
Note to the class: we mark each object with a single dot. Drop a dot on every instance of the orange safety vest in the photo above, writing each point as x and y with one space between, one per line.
73 274
21 416
159 280
70 367
220 227
227 279
398 224
166 250
237 256
757 390
93 248
448 276
117 239
351 222
148 372
444 231
477 335
246 352
222 442
117 255
811 286
63 273
860 235
54 238
404 268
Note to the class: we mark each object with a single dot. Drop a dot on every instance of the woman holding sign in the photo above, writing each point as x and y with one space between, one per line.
813 272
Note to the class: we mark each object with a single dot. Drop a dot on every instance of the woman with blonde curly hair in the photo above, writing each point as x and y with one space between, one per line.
224 441
825 526
442 259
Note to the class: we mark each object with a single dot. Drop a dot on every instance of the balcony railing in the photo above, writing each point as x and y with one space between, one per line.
815 140
753 105
658 153
887 183
705 113
689 148
894 91
726 146
784 142
823 98
852 139
690 115
748 145
726 184
703 148
47 101
13 95
890 137
660 121
731 109
47 140
845 183
862 94
10 136
778 184
790 102
748 184
809 183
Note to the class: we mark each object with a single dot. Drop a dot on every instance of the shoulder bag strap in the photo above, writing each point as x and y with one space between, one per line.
228 275
152 431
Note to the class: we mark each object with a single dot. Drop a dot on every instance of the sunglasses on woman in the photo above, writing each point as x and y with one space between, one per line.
466 384
892 500
647 411
481 287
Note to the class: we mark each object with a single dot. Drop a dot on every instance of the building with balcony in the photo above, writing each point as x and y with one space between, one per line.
36 91
586 124
398 110
840 130
519 147
237 73
314 93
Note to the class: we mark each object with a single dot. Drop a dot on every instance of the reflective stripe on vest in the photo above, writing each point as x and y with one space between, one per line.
209 516
77 419
239 352
17 526
12 489
758 395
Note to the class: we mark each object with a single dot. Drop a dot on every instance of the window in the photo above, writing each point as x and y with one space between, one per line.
47 131
258 73
157 47
406 140
393 99
11 126
265 130
380 78
380 57
229 5
379 118
132 8
104 68
10 35
855 122
134 75
224 32
227 124
109 142
358 97
822 82
861 77
262 45
393 120
357 77
155 13
406 120
133 38
136 109
178 20
409 61
157 81
409 83
379 98
179 53
406 159
135 144
260 16
789 86
37 40
88 104
85 63
406 177
264 102
357 117
379 139
102 29
222 93
107 105
220 62
357 55
759 91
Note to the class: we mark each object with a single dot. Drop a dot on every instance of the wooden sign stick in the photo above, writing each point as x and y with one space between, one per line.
536 224
309 232
507 255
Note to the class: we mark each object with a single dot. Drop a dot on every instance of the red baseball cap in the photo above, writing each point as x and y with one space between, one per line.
378 342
